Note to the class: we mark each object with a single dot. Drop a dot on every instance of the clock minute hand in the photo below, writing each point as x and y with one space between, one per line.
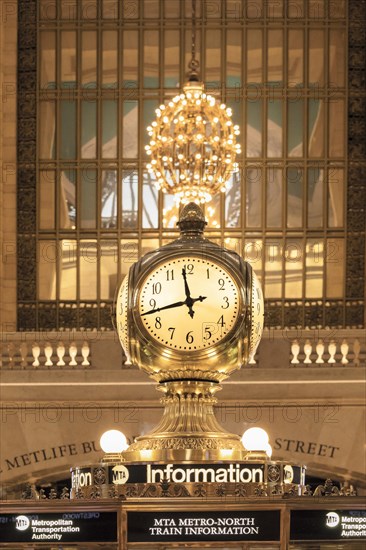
186 287
176 304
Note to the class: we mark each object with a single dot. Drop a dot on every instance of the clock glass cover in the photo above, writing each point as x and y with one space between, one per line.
188 303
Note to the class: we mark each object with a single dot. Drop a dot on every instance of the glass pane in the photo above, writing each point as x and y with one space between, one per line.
110 9
67 270
253 253
315 192
47 130
213 57
109 59
336 128
273 269
172 8
316 9
151 8
108 269
316 58
295 9
129 254
213 9
335 197
130 129
68 129
89 59
68 59
109 199
170 212
129 198
275 56
88 198
233 201
254 9
88 129
316 128
151 59
254 196
314 268
293 269
88 258
234 9
274 128
254 127
295 117
254 55
109 128
213 212
130 10
48 60
274 8
67 202
274 197
150 206
130 59
47 9
47 261
294 197
234 58
148 245
68 9
295 58
337 9
47 199
335 268
89 9
337 58
171 58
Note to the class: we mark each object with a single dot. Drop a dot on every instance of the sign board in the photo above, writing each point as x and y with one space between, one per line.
203 526
60 527
328 525
240 472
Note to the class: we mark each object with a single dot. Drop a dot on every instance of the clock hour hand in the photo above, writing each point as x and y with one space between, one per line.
176 304
190 301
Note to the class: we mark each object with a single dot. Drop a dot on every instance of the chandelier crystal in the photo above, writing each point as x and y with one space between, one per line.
192 145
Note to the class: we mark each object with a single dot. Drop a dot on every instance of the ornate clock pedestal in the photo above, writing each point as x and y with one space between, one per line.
188 430
189 314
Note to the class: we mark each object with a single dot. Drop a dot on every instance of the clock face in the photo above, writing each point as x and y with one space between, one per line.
188 303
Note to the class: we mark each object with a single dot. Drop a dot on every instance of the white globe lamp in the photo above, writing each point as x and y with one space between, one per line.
113 443
256 443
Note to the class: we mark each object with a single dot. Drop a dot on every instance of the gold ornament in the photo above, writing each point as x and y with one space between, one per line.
192 145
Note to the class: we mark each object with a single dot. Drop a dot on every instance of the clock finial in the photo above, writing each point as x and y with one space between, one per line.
191 220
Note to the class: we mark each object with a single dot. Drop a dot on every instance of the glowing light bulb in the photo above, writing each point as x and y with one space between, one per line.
255 439
113 441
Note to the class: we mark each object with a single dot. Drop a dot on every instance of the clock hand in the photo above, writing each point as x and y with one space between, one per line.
190 301
176 304
186 287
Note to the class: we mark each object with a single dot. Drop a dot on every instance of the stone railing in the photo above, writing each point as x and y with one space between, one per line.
97 350
32 351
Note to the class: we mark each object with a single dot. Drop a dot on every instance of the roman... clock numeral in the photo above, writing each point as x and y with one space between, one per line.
171 330
170 275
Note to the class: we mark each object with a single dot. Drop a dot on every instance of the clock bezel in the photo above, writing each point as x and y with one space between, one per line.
144 337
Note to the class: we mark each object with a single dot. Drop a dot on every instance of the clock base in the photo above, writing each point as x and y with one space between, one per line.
188 430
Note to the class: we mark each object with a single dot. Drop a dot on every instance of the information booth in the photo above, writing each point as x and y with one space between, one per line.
263 523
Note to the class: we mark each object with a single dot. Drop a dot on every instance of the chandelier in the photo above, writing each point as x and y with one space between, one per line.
192 145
